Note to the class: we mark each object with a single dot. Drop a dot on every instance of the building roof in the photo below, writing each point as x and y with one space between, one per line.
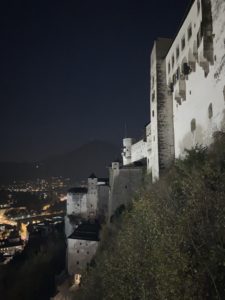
78 190
86 231
105 181
92 176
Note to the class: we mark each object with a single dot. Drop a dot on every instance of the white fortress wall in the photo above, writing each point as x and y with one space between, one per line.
161 110
80 253
76 204
149 147
138 151
153 111
198 93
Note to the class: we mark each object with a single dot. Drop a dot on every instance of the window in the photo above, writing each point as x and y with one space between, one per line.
153 96
168 67
189 31
153 81
78 251
193 125
87 252
210 111
183 43
172 61
198 6
177 52
186 69
153 113
77 262
178 74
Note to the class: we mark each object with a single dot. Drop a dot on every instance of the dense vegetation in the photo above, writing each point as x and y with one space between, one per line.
171 243
31 275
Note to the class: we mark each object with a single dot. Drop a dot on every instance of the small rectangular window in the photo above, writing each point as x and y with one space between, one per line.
153 96
168 67
183 43
189 31
177 52
172 60
199 6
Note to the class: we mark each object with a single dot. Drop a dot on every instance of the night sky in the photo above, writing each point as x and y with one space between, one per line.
76 71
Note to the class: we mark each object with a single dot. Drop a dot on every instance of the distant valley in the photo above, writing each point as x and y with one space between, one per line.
94 156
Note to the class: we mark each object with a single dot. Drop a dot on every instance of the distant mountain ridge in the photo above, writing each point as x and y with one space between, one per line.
91 157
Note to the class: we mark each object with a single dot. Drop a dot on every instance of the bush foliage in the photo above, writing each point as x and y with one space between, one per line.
171 243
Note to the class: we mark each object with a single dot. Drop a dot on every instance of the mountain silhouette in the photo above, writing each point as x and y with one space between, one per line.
78 164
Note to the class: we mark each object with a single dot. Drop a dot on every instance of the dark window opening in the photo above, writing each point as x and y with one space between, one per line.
199 6
189 32
210 111
193 125
177 52
183 43
172 60
186 69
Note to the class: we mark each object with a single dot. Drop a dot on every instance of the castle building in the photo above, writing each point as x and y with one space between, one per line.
87 203
187 98
82 245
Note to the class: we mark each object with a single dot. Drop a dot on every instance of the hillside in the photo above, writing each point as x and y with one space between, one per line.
78 164
171 243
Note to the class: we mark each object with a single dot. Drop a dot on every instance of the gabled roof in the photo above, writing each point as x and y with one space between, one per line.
86 231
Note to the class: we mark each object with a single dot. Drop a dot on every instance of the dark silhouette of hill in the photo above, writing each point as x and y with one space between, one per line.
78 164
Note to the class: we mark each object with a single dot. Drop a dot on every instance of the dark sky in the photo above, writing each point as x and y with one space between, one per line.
78 70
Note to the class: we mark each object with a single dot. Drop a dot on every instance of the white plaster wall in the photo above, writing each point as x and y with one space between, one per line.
92 197
103 200
79 254
138 151
149 147
201 91
126 153
69 227
194 19
153 107
77 204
